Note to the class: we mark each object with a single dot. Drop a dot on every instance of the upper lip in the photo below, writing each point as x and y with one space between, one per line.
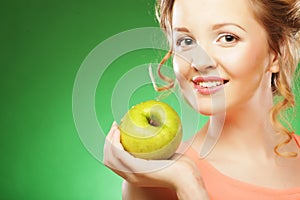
198 79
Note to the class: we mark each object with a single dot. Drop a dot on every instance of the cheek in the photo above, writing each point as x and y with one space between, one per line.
244 61
181 67
182 70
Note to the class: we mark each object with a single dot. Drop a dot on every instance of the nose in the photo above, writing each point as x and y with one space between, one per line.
200 60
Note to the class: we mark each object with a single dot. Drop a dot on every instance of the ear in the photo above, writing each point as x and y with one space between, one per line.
274 62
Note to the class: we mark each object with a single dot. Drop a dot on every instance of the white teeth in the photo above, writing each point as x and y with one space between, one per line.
210 84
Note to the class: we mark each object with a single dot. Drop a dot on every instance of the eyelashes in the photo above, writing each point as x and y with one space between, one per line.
225 39
185 42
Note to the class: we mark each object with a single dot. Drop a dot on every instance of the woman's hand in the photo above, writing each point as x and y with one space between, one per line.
179 173
191 185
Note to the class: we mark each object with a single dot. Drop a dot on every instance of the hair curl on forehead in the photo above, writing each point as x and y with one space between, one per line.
281 21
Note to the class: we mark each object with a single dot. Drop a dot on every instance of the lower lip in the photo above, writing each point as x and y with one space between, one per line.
208 91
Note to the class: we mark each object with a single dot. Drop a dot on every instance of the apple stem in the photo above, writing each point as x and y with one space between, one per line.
153 122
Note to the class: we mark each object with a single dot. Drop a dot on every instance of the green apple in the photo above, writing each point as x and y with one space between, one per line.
151 130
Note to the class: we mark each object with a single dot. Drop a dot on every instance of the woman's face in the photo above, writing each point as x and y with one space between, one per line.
222 58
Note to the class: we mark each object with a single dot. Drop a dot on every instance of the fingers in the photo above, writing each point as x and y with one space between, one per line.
147 172
108 146
117 148
115 157
113 137
116 136
113 128
176 156
126 165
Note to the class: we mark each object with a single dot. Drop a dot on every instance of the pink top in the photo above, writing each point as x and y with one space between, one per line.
220 186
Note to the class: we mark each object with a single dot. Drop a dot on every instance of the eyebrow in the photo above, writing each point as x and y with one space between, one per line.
182 29
215 27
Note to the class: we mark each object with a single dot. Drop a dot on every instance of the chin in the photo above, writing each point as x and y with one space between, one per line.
210 109
209 112
205 112
207 105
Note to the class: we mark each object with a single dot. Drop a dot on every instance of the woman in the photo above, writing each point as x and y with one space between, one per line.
233 57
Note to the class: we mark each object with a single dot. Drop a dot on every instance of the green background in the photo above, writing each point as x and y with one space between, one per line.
43 44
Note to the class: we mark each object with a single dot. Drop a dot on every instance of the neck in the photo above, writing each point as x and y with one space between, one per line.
247 129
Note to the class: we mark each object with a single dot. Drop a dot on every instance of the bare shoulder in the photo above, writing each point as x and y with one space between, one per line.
131 192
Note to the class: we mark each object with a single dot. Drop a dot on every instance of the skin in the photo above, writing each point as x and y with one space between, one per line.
247 62
248 138
248 73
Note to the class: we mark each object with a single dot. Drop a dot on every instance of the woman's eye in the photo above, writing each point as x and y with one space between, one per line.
227 39
185 42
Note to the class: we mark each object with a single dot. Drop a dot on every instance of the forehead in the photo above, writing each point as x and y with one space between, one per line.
197 12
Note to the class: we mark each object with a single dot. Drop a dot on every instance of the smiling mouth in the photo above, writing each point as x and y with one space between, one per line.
208 82
209 85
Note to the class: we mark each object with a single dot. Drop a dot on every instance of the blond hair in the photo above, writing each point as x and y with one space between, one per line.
281 20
